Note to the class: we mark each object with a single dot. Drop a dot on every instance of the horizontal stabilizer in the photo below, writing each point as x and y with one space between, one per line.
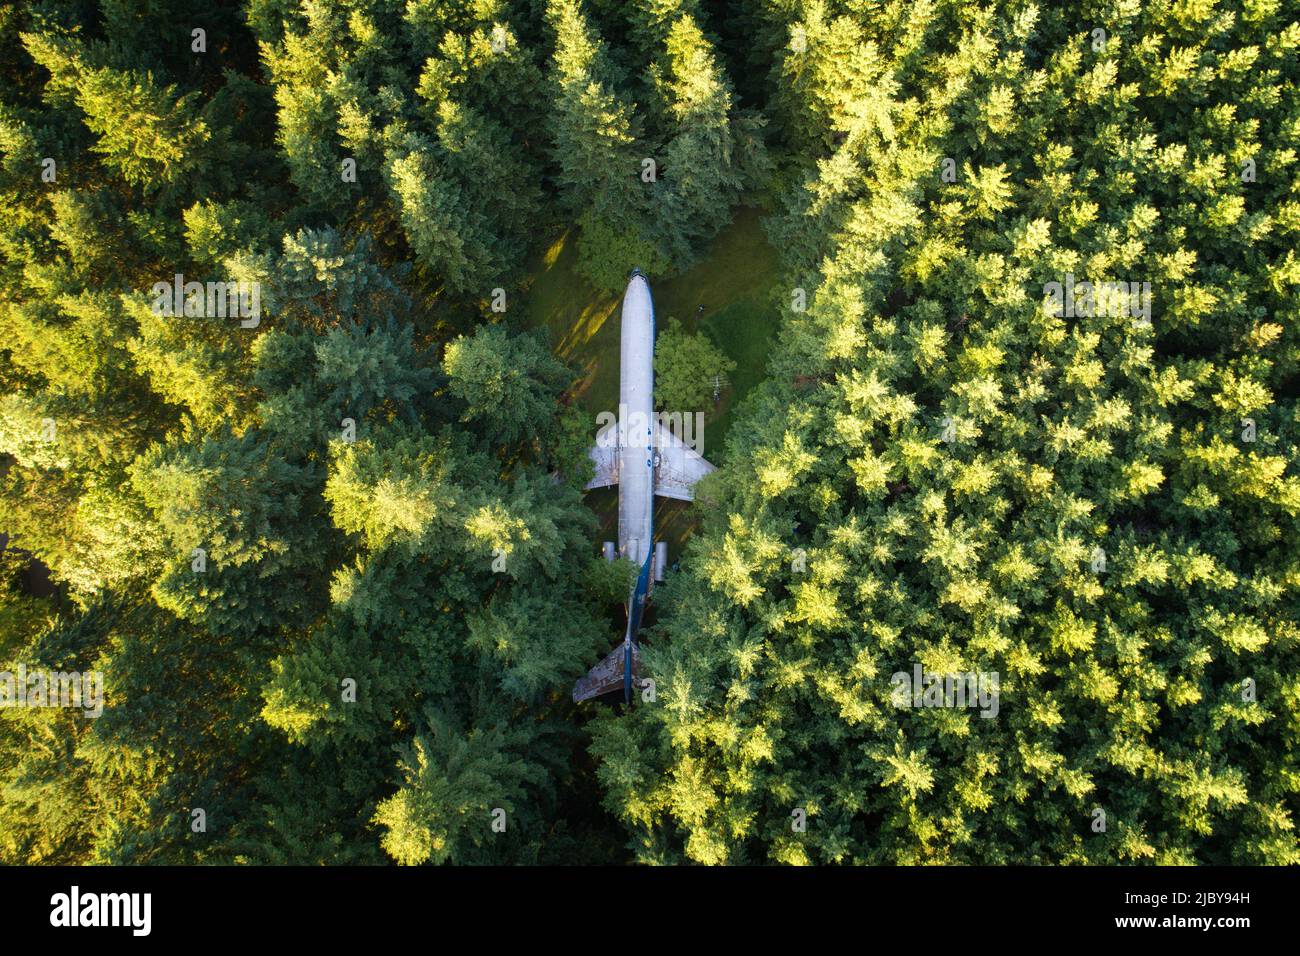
607 676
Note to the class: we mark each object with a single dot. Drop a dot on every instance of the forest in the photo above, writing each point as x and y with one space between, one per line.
307 310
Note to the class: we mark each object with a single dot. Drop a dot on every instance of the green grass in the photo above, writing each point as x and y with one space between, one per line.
735 282
745 330
582 321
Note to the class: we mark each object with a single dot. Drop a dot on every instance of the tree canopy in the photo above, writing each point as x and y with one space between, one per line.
307 480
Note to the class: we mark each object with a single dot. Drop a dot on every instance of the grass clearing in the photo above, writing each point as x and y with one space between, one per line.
735 281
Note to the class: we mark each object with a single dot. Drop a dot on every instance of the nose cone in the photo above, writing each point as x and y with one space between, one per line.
637 304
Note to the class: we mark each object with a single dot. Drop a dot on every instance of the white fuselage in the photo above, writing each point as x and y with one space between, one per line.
636 485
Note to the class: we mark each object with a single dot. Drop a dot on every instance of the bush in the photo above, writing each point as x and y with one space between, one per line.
686 365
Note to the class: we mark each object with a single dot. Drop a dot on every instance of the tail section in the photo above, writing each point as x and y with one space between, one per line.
610 676
621 666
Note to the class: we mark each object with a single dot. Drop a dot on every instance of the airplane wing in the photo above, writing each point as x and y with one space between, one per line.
680 466
605 456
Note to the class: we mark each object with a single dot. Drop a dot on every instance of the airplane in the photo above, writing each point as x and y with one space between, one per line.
644 458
